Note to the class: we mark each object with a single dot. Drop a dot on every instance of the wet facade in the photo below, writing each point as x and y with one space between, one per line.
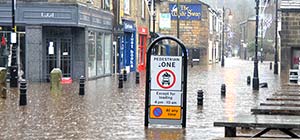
199 29
133 18
290 38
128 46
74 37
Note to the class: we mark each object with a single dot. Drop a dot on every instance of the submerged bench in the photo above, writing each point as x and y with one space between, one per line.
287 94
289 90
281 103
284 98
276 110
268 122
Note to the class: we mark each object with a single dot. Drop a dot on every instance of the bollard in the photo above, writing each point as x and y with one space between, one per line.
55 80
270 65
125 75
192 64
3 86
223 90
200 97
81 85
120 81
137 77
23 89
248 80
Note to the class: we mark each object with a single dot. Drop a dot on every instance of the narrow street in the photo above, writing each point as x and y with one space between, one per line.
106 112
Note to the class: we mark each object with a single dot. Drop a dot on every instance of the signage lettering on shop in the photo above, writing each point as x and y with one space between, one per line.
128 26
47 15
143 30
187 11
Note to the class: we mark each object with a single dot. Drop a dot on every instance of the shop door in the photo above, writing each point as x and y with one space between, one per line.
58 55
127 51
142 52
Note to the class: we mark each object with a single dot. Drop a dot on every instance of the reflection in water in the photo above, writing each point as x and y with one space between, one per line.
165 134
230 99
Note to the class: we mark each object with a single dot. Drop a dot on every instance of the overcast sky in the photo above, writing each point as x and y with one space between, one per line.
229 3
241 9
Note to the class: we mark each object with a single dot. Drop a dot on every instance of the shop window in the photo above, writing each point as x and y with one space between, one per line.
100 56
91 54
295 59
105 4
107 53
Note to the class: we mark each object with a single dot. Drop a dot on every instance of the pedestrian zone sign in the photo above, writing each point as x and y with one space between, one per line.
166 89
166 72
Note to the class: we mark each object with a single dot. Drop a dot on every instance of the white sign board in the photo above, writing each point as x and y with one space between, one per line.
166 72
168 98
165 21
51 48
13 37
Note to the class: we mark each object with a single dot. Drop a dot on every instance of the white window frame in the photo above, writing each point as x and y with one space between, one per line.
143 9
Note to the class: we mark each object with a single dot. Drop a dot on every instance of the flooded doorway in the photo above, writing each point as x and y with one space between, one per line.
58 55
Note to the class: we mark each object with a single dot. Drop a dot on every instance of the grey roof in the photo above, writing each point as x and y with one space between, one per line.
290 4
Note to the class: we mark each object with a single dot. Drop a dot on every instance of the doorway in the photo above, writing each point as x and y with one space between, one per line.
142 52
58 55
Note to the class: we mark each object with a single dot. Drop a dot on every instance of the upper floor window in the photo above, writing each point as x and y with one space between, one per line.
105 4
127 7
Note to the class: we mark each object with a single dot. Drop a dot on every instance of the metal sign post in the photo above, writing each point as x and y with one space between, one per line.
166 86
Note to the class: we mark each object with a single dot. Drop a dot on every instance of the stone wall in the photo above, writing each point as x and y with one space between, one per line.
193 33
34 65
290 39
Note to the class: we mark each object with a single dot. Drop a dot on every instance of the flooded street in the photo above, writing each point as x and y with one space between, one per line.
106 112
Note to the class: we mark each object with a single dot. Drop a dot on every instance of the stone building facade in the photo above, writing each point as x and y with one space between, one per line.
247 36
202 41
290 38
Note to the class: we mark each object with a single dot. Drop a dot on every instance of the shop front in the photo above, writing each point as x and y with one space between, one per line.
142 48
74 38
127 51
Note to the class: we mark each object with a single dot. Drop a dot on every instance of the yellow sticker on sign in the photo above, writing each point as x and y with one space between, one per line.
165 112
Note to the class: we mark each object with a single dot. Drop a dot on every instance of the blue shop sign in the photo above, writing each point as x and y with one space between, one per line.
128 51
128 26
187 11
132 52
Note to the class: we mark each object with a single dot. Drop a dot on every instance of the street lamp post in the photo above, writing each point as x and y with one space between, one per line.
154 16
178 18
14 66
222 61
276 41
223 34
255 80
